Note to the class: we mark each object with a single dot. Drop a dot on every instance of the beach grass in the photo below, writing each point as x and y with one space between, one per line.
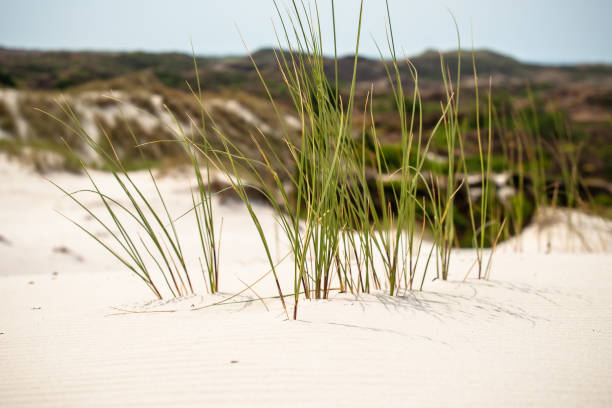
354 212
152 243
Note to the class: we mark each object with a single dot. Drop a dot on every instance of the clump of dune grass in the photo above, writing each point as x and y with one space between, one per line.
143 236
323 200
308 195
346 225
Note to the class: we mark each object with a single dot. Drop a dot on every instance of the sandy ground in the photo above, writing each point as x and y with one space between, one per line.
539 333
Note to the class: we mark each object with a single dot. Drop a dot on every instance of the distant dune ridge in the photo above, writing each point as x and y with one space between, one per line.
48 70
146 82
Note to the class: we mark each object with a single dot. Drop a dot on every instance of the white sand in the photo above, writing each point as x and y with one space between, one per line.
538 334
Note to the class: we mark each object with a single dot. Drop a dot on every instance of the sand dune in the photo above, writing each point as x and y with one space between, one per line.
539 333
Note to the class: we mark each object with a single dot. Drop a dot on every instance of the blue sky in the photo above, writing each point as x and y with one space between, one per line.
543 31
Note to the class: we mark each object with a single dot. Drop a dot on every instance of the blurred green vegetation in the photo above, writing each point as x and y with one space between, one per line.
537 136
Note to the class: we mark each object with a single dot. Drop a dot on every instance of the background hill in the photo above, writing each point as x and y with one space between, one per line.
62 69
578 96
